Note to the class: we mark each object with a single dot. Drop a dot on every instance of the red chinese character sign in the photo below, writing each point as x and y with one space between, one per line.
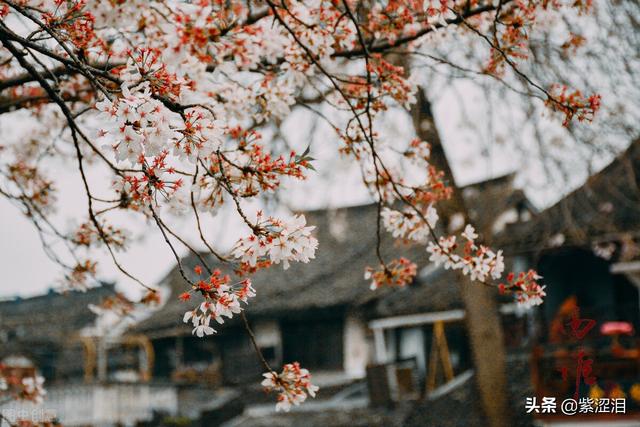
596 377
578 329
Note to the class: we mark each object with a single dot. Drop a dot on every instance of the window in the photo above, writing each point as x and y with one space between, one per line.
316 345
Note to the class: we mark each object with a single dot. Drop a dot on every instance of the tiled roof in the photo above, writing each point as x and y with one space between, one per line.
605 208
52 317
335 279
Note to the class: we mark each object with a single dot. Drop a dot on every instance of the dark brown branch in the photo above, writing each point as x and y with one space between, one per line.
384 46
20 57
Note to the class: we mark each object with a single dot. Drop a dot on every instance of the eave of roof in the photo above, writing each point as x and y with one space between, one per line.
605 207
51 317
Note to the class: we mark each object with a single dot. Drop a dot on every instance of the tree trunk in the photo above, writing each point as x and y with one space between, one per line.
482 317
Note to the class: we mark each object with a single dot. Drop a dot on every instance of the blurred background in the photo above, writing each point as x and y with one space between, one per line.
562 200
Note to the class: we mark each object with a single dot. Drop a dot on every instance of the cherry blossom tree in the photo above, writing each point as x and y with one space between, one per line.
594 51
176 101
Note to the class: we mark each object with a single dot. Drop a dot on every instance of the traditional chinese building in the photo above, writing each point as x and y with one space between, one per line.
586 247
46 331
409 343
89 379
425 323
313 313
323 314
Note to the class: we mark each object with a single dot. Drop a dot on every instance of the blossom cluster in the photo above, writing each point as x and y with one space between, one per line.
477 261
511 45
21 385
33 389
79 276
276 241
32 184
221 299
117 312
528 291
138 190
573 104
88 235
399 272
248 168
293 385
394 19
138 124
73 21
417 223
117 304
407 224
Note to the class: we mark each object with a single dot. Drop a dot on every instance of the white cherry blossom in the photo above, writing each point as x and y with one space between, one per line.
293 385
279 241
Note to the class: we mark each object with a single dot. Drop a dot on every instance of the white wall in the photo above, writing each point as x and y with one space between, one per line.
97 404
356 346
412 345
267 333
